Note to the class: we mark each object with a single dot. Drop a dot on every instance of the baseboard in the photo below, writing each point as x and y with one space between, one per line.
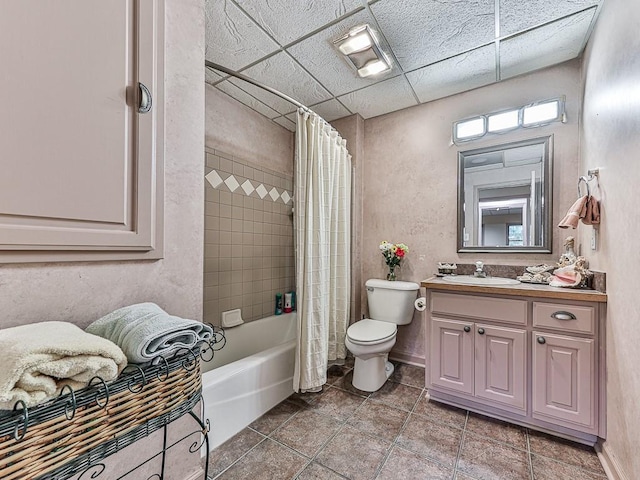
197 475
611 466
407 358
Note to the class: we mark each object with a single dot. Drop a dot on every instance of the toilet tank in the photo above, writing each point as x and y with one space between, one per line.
391 301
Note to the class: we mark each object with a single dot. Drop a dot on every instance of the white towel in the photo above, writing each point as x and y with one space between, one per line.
39 359
145 331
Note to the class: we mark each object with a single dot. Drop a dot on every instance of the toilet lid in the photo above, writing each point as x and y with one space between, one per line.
371 331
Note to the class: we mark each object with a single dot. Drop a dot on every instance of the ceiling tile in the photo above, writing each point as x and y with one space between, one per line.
286 123
424 32
211 76
232 38
516 15
284 74
288 21
331 110
454 75
545 46
243 97
326 64
384 97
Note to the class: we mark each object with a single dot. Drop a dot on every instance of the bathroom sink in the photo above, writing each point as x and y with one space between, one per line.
471 280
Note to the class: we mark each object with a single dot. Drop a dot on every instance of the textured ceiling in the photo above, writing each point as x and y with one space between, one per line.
438 48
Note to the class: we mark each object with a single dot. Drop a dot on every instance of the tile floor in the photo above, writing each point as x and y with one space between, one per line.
395 433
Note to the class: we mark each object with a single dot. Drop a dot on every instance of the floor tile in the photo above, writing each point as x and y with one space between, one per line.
336 372
504 432
488 460
337 404
315 471
406 465
408 374
230 451
346 383
440 412
463 476
548 469
298 435
305 399
267 461
275 417
379 420
566 451
432 440
397 395
354 454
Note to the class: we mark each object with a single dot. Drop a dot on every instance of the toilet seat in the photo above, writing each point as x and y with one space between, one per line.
371 332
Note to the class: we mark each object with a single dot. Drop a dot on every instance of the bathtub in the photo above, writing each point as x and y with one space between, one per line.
251 374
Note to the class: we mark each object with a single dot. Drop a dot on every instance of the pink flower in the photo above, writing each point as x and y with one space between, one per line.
400 253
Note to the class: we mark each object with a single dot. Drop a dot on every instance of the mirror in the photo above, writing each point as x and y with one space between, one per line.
504 197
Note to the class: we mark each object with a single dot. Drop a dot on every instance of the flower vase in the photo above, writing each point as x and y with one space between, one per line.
391 276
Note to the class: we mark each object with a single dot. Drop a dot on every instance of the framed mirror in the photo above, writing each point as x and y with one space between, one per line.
504 197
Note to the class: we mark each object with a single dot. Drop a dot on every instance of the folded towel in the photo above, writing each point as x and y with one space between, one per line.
40 359
145 331
574 214
592 212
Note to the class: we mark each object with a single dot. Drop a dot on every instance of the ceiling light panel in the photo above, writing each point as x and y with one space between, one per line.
518 15
542 47
421 33
361 47
232 38
289 21
454 75
383 97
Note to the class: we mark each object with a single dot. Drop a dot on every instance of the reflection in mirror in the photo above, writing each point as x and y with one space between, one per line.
504 198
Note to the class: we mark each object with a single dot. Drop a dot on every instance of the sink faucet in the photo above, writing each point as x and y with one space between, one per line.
480 270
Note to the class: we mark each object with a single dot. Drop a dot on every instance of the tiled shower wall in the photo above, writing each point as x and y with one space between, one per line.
248 251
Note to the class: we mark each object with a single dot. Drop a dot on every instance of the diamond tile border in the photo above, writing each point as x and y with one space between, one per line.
232 184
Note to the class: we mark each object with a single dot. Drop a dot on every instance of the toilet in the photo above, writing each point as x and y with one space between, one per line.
370 340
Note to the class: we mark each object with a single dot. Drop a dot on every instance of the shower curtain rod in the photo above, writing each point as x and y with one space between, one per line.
215 66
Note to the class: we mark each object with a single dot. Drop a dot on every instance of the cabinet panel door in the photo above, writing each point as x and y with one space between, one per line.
451 355
564 379
81 167
500 373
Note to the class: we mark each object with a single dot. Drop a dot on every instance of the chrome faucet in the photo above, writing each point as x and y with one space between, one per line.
480 270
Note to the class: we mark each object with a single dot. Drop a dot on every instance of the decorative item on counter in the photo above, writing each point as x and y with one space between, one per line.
571 276
393 255
446 269
569 256
278 310
537 274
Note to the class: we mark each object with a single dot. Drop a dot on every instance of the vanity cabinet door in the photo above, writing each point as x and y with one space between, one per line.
500 371
452 355
564 380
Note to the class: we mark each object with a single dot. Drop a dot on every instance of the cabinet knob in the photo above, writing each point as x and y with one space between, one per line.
562 315
145 99
481 331
541 340
467 328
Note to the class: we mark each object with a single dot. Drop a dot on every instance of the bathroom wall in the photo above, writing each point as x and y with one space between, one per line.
249 254
610 141
410 179
82 292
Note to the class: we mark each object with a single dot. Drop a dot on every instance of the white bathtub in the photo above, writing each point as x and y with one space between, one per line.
250 375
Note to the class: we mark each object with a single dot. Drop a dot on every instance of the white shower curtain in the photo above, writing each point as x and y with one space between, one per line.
322 194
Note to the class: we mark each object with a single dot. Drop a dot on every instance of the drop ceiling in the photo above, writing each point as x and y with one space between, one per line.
438 48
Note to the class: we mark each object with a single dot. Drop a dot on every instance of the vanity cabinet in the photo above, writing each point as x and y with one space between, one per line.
520 357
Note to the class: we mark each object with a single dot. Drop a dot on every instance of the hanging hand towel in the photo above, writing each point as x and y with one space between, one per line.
39 359
145 331
592 212
574 214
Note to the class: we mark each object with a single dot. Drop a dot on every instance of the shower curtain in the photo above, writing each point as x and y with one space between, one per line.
322 194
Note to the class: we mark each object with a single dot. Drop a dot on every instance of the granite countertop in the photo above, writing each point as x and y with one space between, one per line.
522 290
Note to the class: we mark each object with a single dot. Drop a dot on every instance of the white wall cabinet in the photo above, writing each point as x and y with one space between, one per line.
531 360
82 170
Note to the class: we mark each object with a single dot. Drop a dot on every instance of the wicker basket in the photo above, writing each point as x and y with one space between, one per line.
67 435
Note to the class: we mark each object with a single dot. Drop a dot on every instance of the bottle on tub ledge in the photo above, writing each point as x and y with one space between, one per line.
278 304
288 302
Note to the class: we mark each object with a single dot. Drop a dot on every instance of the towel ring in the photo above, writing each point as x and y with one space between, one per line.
586 182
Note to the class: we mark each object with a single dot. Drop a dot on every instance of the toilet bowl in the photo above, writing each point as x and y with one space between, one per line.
370 340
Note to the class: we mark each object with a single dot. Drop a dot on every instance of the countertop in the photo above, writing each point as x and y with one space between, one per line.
521 290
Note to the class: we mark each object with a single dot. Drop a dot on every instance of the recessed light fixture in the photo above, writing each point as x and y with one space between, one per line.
362 48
